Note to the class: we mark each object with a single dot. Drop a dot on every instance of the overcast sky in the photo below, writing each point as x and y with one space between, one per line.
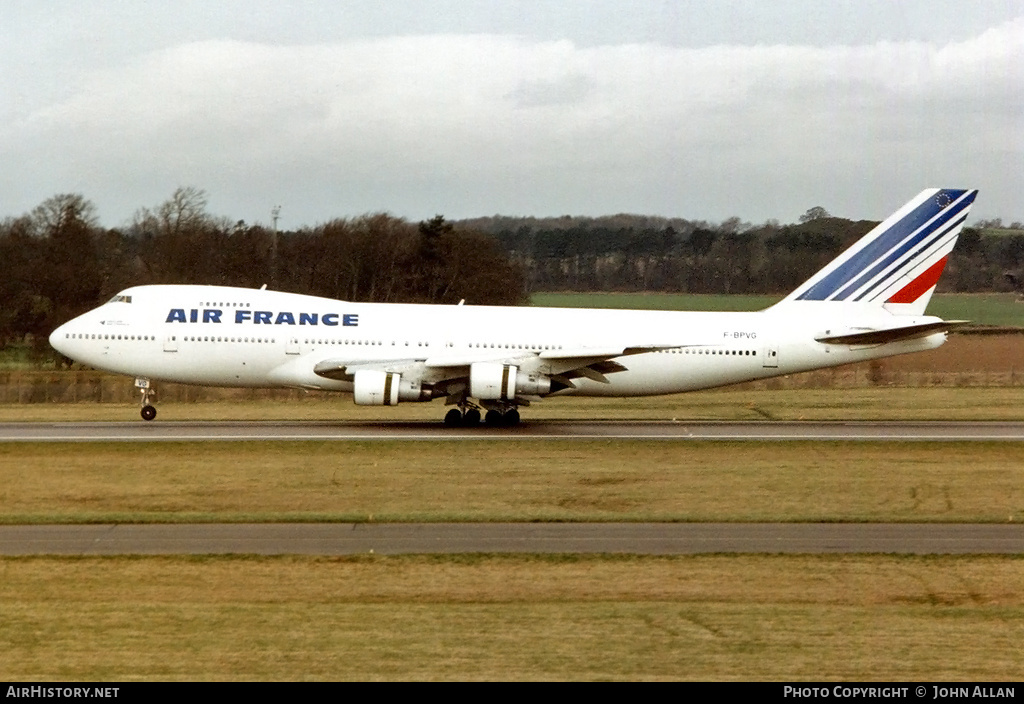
701 110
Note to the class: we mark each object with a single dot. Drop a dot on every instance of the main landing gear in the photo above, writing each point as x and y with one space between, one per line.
148 411
502 417
468 416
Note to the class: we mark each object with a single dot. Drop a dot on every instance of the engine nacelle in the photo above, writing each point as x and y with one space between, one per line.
376 388
493 381
532 384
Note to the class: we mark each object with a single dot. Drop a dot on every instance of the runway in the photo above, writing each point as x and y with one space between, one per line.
254 431
453 538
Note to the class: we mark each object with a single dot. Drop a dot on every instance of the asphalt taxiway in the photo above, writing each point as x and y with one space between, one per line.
254 431
452 538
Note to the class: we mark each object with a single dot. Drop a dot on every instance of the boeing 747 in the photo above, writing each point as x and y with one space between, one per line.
867 304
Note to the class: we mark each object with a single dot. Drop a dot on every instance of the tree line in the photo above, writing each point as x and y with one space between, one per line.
57 261
640 253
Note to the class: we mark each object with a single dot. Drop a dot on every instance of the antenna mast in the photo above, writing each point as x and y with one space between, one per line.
275 214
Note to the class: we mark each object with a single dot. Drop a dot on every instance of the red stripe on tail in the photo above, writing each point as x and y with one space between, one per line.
916 288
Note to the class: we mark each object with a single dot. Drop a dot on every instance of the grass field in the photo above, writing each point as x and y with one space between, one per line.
513 481
877 618
999 309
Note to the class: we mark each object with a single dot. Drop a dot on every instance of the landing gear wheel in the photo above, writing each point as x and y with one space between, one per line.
511 417
453 418
472 418
493 418
148 398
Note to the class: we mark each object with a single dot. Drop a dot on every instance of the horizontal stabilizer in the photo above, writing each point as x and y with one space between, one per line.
863 336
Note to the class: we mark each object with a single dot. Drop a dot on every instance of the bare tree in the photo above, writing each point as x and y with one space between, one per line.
815 213
184 211
55 215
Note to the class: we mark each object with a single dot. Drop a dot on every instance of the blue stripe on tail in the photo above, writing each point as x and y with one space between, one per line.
842 277
913 259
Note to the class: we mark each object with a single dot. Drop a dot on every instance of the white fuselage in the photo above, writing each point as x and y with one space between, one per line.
222 336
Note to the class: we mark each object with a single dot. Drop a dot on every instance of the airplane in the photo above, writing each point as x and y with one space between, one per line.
868 303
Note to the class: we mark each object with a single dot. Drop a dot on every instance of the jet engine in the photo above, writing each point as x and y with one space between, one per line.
493 381
377 388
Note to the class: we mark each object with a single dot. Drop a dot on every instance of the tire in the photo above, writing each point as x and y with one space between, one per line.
148 413
453 418
471 418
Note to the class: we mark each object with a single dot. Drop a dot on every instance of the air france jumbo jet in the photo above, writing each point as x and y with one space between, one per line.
866 304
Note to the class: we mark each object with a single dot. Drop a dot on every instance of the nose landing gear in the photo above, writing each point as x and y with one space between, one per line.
148 411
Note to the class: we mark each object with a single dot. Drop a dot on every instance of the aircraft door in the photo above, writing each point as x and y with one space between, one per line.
293 346
171 343
770 360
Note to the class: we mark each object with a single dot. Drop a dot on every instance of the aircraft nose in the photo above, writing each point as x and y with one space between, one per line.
58 339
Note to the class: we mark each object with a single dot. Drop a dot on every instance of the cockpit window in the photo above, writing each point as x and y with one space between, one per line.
120 298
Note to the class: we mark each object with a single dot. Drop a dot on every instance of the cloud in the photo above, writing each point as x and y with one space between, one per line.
478 124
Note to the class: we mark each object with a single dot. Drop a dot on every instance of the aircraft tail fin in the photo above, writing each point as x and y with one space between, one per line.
897 265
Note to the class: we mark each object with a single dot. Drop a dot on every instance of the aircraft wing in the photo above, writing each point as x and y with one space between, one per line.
563 355
590 362
561 365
